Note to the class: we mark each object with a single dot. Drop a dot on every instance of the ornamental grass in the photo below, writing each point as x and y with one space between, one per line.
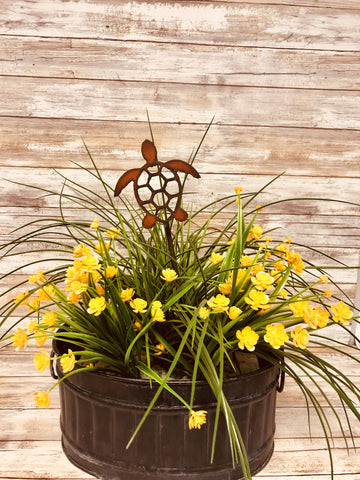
127 301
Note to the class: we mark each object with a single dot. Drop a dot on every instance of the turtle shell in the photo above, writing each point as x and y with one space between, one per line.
158 191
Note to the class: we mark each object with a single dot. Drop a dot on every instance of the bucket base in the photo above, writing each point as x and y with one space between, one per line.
117 471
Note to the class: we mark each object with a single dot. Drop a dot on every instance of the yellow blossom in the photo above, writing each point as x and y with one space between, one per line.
22 298
268 240
49 319
225 288
137 326
257 269
38 277
287 240
234 312
295 261
138 305
46 292
220 303
283 294
341 313
255 233
95 275
100 290
298 308
32 326
310 316
257 300
156 313
42 399
20 339
68 362
82 250
34 303
42 360
262 281
204 313
90 263
247 338
324 279
127 294
95 224
276 335
112 233
328 293
73 297
300 337
40 337
197 419
169 275
77 287
282 249
160 349
246 261
279 266
258 208
111 271
100 248
216 258
96 305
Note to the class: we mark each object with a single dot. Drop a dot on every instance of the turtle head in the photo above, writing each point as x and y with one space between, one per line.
149 152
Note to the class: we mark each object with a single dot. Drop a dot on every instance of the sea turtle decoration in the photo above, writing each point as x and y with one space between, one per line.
157 186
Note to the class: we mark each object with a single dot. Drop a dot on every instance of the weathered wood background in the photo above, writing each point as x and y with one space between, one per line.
282 80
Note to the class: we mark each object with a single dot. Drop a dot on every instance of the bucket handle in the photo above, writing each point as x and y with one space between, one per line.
52 361
281 382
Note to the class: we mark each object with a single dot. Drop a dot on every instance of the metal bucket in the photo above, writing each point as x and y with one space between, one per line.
99 413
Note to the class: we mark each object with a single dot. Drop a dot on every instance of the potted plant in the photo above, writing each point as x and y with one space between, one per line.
169 330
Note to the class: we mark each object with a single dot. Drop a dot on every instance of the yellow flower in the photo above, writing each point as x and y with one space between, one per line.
216 258
279 266
247 338
238 190
276 335
262 281
96 306
73 297
20 298
234 312
20 339
111 271
49 319
100 290
246 261
137 326
204 313
81 251
32 326
127 294
197 419
38 277
138 305
220 303
341 313
310 316
160 349
257 300
95 224
46 293
298 308
295 261
324 279
169 275
255 233
257 269
283 294
323 317
68 362
300 337
287 240
42 399
99 248
282 250
156 313
225 288
42 360
90 263
40 337
77 287
112 233
328 293
34 304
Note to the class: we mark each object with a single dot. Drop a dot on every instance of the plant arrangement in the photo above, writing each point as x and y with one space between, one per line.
153 291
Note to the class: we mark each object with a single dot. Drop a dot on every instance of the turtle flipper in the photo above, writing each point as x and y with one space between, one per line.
149 152
180 165
180 215
126 178
149 220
